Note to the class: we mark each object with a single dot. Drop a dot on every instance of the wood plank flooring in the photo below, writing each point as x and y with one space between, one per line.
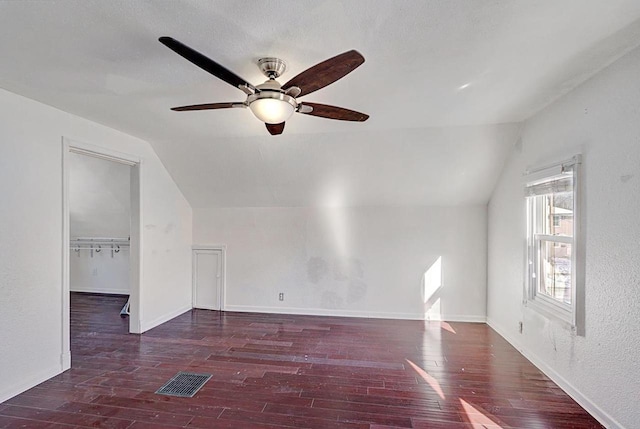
275 371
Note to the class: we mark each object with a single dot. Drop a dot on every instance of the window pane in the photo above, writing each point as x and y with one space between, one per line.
556 214
555 271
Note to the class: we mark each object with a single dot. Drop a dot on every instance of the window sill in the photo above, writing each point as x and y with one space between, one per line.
552 312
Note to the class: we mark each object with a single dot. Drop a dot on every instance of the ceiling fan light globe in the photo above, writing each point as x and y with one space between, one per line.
272 106
271 110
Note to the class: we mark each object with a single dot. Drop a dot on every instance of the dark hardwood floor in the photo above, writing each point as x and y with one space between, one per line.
273 371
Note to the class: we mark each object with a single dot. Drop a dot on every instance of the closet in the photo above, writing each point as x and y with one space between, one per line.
99 225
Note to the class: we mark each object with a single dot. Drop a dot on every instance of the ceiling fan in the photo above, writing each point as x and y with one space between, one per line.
271 102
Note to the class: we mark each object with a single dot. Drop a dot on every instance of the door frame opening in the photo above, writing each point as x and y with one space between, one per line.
135 248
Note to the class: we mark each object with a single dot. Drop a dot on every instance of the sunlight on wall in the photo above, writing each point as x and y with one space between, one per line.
432 283
428 378
432 279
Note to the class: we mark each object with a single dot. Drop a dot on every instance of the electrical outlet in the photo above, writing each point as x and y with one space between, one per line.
520 326
281 296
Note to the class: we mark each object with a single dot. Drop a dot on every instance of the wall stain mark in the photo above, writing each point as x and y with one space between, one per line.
317 269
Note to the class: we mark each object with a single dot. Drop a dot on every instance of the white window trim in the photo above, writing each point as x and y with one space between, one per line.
572 315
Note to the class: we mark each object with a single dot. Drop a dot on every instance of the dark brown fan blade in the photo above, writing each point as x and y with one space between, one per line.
209 106
205 63
332 112
275 129
326 72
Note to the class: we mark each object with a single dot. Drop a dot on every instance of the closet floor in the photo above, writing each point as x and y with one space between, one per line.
275 371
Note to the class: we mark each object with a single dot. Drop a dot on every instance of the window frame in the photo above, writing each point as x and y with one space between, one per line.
570 314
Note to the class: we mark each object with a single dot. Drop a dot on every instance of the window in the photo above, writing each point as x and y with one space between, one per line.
552 275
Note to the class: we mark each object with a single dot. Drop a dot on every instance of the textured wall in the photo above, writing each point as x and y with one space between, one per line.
31 231
366 261
601 120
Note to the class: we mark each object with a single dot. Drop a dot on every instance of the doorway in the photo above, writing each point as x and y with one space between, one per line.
208 277
102 233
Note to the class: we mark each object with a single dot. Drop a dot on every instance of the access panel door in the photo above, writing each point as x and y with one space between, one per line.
207 278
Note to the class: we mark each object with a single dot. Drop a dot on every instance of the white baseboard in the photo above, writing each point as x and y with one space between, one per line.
348 313
135 326
147 325
592 408
8 392
457 318
65 360
323 312
107 291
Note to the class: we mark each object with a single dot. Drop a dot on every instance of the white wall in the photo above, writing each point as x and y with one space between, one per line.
350 261
31 231
100 273
601 120
99 197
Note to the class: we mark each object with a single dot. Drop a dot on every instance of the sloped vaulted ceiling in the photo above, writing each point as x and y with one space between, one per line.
439 78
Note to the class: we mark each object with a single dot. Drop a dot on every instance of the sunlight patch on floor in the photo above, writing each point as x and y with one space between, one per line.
477 418
435 385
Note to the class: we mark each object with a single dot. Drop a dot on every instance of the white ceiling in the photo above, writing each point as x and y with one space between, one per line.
431 67
430 166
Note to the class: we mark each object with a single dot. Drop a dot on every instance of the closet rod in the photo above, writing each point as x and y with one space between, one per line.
100 239
122 246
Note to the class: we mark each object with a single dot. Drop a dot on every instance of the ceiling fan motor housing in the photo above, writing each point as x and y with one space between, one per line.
272 67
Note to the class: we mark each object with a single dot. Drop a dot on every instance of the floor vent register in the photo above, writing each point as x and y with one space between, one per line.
184 384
